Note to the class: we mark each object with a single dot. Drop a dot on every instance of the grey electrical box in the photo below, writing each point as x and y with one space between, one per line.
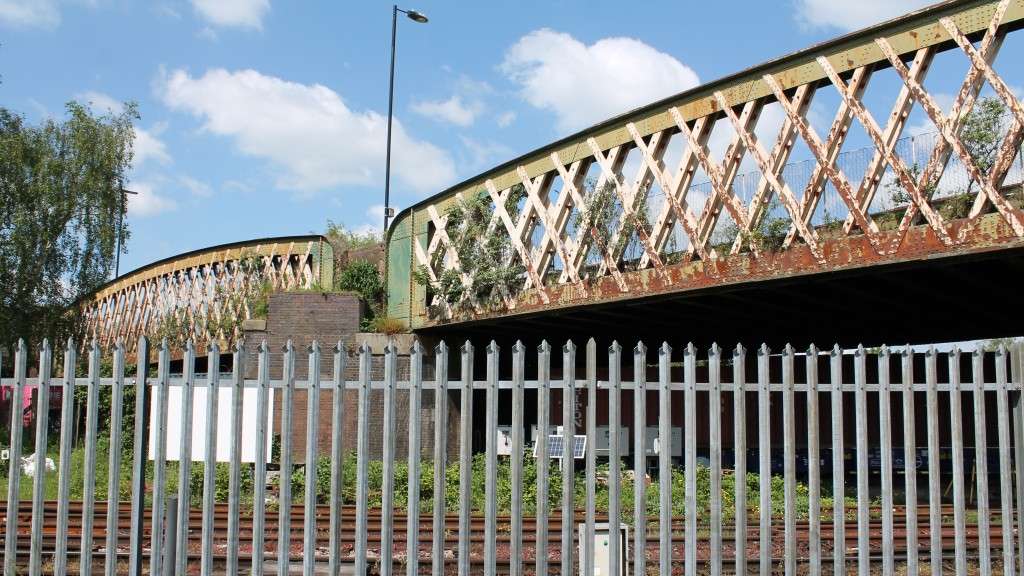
600 554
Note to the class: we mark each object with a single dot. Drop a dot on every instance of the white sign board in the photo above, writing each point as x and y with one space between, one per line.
225 393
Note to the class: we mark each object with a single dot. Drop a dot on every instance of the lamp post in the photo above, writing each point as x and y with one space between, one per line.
120 229
415 17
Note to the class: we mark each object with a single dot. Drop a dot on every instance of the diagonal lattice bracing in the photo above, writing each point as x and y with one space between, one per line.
206 294
569 262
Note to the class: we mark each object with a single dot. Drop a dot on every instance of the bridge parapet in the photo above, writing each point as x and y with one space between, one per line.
206 294
656 200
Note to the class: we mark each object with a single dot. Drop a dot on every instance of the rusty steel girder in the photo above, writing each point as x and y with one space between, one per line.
568 267
212 287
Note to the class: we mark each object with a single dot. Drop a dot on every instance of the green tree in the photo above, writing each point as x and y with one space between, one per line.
982 134
60 208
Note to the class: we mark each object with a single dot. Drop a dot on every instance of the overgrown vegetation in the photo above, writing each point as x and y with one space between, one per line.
603 212
982 136
769 235
485 257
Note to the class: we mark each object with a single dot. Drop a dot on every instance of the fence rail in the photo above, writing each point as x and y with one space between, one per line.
693 513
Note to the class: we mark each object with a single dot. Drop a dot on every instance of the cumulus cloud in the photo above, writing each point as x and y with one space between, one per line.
462 108
505 119
196 187
585 84
147 202
148 146
849 16
453 110
236 13
307 133
29 13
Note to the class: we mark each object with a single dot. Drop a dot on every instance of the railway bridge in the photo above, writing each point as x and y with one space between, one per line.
837 192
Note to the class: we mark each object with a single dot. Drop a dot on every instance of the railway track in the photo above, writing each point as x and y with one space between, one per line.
425 531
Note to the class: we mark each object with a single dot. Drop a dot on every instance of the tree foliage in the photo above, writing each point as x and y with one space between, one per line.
60 208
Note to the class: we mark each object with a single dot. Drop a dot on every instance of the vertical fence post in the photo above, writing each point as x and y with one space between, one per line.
614 463
210 459
591 474
337 456
639 459
516 546
543 455
739 402
159 460
764 403
569 453
440 456
185 459
957 433
284 485
42 413
1017 375
67 399
491 470
309 529
690 442
1005 476
813 462
885 430
89 464
863 495
715 417
412 526
838 468
139 458
259 496
362 458
387 520
114 479
235 466
664 459
465 456
910 459
981 461
790 459
934 478
14 474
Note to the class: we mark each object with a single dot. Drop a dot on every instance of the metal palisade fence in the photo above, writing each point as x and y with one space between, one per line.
925 474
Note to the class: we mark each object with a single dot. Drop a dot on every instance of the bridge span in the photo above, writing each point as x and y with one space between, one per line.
782 203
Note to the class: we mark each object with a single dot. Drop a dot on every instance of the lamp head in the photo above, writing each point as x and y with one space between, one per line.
417 16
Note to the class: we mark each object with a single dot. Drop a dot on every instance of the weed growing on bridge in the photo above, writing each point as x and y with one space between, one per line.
488 269
608 225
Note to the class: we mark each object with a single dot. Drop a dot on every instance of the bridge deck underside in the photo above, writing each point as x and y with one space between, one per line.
971 296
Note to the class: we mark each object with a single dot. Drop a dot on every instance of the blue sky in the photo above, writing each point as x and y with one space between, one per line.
266 117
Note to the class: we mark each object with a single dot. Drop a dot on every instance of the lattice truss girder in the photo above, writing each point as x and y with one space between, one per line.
214 292
551 250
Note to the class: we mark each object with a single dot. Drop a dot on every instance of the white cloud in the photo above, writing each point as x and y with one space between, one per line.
505 119
482 154
149 147
307 133
196 187
453 110
586 84
100 103
147 202
240 13
29 13
848 15
464 106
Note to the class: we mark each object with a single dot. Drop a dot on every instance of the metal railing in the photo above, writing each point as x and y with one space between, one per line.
967 396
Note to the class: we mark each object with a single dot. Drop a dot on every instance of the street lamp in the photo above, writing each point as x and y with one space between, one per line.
415 17
120 229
